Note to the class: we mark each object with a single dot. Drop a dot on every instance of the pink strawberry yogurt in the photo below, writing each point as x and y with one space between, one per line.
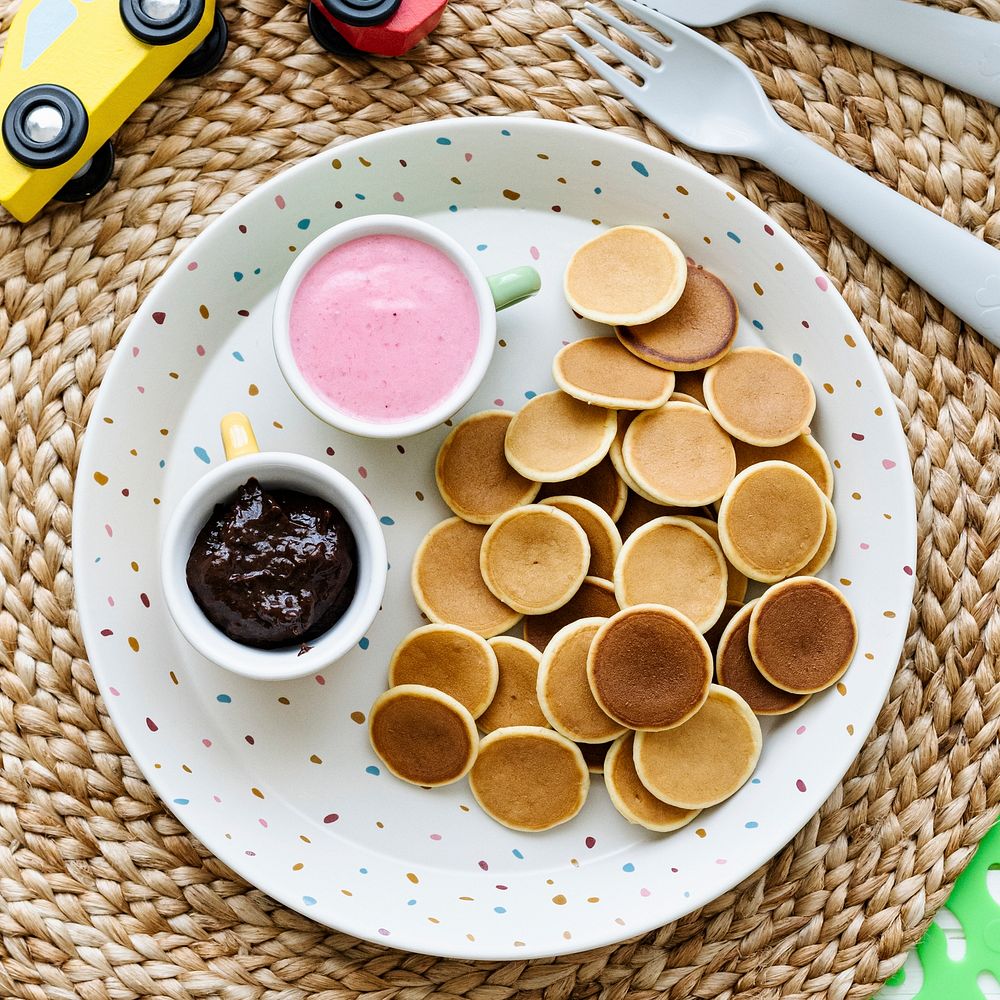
384 327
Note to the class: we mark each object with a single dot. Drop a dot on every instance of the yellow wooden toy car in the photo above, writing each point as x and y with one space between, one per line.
72 71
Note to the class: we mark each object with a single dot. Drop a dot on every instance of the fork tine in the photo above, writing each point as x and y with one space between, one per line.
642 40
622 84
640 66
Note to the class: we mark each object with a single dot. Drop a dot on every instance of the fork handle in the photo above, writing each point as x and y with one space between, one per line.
958 269
960 50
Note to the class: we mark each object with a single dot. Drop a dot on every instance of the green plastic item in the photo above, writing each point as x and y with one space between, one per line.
979 914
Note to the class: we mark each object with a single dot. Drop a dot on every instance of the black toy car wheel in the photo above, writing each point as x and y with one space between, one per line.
91 177
161 22
326 34
45 126
209 54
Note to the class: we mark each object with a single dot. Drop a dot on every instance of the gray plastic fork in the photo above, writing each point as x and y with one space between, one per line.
708 99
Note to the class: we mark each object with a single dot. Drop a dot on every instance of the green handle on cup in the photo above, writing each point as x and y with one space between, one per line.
513 286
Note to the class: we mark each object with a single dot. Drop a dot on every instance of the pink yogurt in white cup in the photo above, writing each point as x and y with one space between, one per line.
384 326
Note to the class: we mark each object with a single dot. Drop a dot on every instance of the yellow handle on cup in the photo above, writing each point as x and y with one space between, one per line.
238 436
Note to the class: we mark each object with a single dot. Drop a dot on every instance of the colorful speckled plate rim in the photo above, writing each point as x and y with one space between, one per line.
130 727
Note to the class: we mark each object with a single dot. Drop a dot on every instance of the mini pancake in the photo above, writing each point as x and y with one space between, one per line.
826 547
556 437
448 586
631 797
623 420
714 634
736 582
803 451
683 397
563 689
673 562
534 558
735 669
594 599
629 275
516 701
529 778
472 472
602 372
450 659
422 735
649 668
594 754
679 455
691 384
601 485
803 635
605 541
772 521
759 396
696 333
706 760
639 511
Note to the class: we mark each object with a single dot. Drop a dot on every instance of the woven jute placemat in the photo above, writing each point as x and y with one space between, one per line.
103 894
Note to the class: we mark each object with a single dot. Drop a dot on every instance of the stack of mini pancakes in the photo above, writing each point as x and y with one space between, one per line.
619 520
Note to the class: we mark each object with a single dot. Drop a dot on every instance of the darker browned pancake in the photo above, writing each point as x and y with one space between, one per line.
423 736
601 485
594 599
698 331
649 668
714 634
594 754
735 669
803 635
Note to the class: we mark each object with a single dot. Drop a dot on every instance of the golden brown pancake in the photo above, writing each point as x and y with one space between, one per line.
803 451
605 542
679 455
759 396
706 760
771 521
601 485
602 372
529 778
826 547
639 511
451 659
516 700
683 397
556 437
696 333
714 634
691 384
472 472
534 558
563 689
422 735
649 668
803 635
736 582
673 562
735 669
594 754
630 275
631 797
594 599
448 586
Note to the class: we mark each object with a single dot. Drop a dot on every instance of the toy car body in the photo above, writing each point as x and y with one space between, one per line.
378 27
72 71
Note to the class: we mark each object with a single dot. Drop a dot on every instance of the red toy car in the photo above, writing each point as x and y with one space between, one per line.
378 27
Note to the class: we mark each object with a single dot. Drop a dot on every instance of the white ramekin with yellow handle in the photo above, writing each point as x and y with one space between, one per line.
273 470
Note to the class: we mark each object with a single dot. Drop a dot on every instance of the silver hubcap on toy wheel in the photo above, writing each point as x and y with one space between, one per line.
43 124
160 10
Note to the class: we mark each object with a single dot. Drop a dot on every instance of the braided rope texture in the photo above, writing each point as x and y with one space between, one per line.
104 895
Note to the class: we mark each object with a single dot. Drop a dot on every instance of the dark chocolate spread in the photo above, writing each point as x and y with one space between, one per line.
273 568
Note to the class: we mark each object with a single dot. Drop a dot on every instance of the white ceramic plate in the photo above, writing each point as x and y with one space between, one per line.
278 779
